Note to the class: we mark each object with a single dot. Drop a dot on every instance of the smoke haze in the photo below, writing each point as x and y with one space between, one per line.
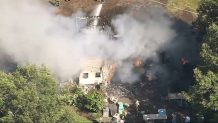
33 32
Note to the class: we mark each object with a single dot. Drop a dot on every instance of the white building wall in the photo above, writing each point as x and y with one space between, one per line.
96 66
91 78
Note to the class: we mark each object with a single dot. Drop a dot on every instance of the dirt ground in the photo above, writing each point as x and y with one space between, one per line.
111 8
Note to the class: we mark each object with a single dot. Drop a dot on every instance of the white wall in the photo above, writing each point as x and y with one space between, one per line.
91 78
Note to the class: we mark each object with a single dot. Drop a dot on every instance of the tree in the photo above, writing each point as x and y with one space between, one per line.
204 94
29 95
95 100
73 96
207 14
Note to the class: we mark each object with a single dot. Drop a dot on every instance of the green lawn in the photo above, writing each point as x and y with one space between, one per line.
191 5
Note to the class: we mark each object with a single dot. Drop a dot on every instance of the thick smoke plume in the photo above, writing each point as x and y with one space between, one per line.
33 32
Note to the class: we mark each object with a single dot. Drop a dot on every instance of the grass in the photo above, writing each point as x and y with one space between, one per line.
190 5
96 115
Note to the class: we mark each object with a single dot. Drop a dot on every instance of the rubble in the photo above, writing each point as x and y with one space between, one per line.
87 88
118 91
113 99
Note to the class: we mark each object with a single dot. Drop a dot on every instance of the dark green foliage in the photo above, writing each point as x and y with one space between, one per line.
73 96
204 94
209 51
208 14
95 100
29 95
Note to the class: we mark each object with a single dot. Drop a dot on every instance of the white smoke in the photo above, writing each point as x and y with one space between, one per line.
33 32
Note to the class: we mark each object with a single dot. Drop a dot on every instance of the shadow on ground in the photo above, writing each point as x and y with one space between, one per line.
51 3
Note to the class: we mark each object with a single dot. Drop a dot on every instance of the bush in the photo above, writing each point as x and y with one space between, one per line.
95 100
73 96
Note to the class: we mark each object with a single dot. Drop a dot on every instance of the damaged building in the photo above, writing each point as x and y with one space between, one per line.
99 72
96 72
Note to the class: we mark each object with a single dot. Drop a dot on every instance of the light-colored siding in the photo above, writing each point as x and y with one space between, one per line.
92 67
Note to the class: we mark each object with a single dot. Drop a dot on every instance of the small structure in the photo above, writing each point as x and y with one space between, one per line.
179 97
142 112
154 117
173 96
113 99
106 112
160 116
126 105
121 108
162 111
113 109
116 119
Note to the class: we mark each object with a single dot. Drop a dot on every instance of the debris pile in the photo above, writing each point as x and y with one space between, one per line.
87 88
118 91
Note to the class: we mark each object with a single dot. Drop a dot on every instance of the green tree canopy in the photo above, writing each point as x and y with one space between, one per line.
95 100
29 95
73 96
204 94
208 14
